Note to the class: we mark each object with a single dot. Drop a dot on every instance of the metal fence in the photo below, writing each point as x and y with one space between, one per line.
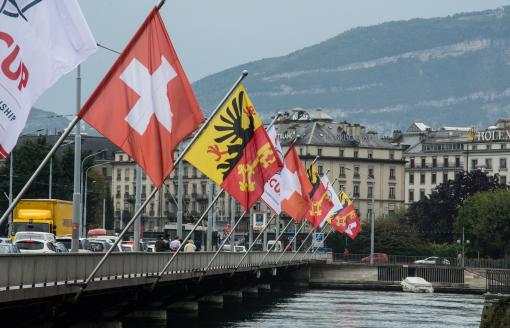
39 270
498 281
403 259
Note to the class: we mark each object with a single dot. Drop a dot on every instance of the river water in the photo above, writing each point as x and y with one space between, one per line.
335 308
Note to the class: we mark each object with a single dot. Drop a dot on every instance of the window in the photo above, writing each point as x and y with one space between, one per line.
434 162
411 178
433 177
319 151
422 178
502 163
502 180
118 191
342 171
356 172
489 147
341 153
457 161
392 173
474 164
392 192
320 169
371 172
194 172
194 188
203 188
370 191
118 174
370 155
105 171
121 158
445 177
412 163
144 176
355 154
445 161
185 171
422 194
503 146
342 187
474 147
356 191
488 163
423 162
126 174
411 195
301 151
392 155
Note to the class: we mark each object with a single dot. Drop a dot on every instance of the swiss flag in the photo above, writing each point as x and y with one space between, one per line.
294 186
145 104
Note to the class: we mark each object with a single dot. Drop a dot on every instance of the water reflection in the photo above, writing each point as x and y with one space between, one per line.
334 308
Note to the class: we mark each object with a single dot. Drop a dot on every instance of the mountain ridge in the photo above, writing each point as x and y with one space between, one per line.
450 70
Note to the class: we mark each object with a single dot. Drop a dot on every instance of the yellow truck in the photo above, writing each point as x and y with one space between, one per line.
44 215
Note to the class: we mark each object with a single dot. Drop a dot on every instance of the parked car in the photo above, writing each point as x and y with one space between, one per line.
378 258
127 247
4 240
102 246
6 248
433 260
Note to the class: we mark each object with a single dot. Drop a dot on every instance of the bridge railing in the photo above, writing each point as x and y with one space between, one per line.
404 259
39 270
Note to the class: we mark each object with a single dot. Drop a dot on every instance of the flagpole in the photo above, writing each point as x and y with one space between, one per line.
301 246
45 161
160 274
253 243
308 249
153 192
293 238
221 246
276 242
160 4
330 231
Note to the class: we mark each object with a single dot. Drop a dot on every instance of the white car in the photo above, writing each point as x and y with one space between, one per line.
434 260
32 246
237 249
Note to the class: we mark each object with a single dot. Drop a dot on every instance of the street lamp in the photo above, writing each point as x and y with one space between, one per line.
80 213
84 223
463 241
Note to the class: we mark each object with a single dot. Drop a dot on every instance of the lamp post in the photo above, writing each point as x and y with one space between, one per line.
463 243
372 226
84 222
80 209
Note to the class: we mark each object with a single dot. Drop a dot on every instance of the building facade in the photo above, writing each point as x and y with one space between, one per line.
436 156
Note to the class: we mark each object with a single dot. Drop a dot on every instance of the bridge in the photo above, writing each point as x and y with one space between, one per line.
45 284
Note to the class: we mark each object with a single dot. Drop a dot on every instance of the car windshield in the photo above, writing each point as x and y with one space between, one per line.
26 226
66 242
30 245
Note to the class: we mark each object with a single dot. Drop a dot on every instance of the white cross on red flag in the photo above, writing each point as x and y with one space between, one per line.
145 104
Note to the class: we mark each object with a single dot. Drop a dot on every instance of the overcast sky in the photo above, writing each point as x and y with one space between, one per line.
212 35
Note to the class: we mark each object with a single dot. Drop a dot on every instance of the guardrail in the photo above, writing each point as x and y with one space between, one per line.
18 271
403 259
498 281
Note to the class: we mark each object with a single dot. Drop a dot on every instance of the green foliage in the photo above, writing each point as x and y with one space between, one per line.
486 220
444 249
434 216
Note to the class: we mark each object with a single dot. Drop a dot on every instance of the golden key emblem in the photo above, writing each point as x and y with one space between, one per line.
265 157
316 206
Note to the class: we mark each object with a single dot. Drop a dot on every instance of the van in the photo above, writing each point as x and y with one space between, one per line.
277 248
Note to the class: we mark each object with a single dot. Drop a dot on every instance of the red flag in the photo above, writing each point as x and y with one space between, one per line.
145 104
346 221
294 186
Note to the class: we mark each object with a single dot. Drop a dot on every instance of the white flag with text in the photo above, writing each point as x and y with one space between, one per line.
271 195
39 42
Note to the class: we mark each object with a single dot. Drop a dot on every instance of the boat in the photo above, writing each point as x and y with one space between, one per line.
416 285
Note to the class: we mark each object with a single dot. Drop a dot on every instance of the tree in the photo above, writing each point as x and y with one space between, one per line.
434 215
486 221
391 236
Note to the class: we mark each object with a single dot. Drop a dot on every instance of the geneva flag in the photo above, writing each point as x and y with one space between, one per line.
321 201
39 42
145 104
235 151
346 221
271 195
